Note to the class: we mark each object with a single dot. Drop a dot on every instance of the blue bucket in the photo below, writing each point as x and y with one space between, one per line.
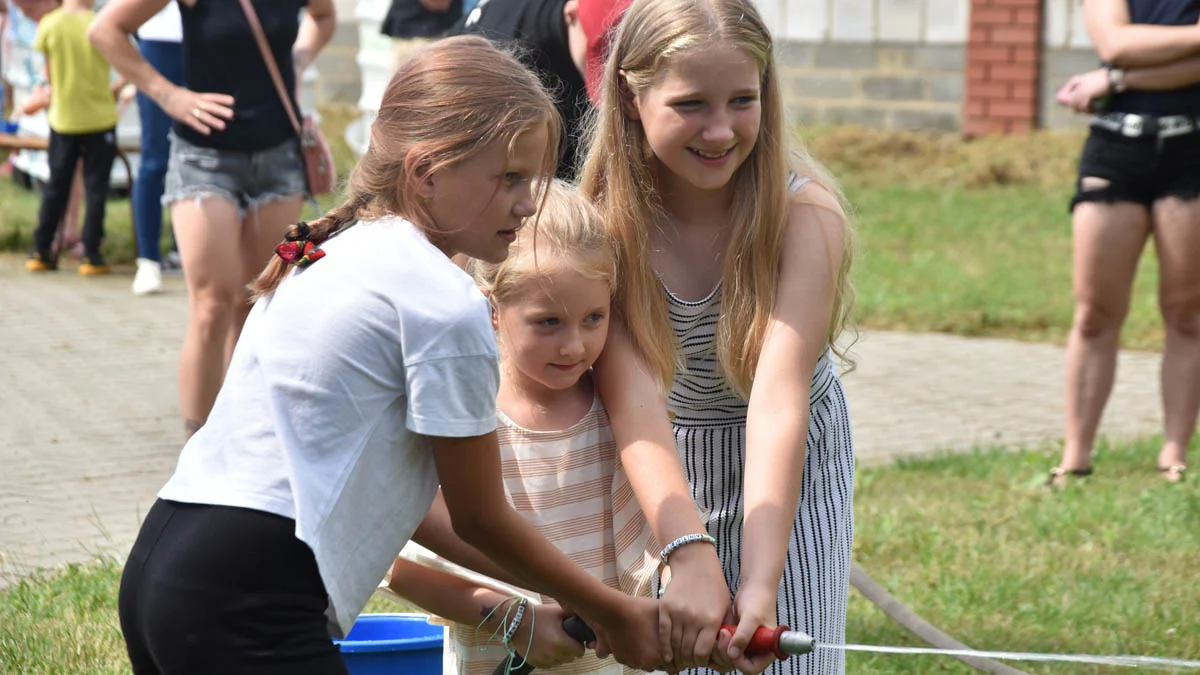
390 644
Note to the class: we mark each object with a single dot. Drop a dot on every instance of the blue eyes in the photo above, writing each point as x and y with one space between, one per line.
740 101
552 321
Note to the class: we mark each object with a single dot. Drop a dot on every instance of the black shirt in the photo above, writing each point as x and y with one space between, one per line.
538 29
410 19
220 55
1185 101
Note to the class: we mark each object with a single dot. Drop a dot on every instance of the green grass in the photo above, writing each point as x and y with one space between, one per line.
992 261
63 622
975 545
969 237
970 542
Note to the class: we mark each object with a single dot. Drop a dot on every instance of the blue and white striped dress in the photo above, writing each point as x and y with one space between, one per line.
710 433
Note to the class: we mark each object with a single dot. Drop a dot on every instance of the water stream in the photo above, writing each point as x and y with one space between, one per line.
1150 662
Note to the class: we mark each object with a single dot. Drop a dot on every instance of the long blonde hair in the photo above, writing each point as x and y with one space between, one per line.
442 106
618 176
570 233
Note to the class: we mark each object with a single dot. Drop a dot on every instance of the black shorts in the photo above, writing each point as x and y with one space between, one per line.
1139 170
218 589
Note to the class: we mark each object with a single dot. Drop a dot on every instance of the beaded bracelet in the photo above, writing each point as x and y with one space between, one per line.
683 541
515 624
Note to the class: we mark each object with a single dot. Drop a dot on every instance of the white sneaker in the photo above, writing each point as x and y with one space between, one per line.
172 263
149 277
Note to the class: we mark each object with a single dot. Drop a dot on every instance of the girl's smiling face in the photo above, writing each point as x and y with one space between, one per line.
701 114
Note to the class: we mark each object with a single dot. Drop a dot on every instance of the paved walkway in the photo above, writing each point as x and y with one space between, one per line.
89 424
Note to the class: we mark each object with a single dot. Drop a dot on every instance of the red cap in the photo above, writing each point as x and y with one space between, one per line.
599 19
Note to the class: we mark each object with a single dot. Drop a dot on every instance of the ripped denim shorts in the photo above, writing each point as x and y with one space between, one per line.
245 179
1116 168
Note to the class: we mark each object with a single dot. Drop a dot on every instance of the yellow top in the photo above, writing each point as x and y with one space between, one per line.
80 99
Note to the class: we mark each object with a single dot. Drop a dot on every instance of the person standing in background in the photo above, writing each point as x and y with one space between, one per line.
83 121
598 20
551 44
413 23
1139 179
235 177
159 42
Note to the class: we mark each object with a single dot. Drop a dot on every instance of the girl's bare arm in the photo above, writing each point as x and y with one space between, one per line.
1130 45
448 596
697 600
110 33
472 605
316 29
1175 75
1082 91
778 415
436 533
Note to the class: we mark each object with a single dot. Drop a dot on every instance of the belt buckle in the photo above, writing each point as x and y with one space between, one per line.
1176 125
1133 126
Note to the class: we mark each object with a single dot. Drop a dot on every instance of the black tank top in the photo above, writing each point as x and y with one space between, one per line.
221 55
1185 101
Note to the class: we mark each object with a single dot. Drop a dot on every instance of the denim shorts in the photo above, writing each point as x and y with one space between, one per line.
1116 168
245 179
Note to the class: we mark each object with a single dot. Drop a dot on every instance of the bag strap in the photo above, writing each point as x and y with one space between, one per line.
269 59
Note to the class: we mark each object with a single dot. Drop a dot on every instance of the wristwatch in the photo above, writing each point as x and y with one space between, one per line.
1116 80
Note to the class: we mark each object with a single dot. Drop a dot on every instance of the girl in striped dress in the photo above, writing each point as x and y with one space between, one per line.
550 307
735 254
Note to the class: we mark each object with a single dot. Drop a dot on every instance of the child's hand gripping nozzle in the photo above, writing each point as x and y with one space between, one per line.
572 625
781 641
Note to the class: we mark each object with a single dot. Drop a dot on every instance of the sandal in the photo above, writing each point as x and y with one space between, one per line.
1173 473
1059 476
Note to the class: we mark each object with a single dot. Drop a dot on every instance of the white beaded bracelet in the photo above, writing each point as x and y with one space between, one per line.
683 541
515 624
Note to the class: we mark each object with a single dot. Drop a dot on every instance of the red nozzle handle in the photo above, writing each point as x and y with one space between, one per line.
764 641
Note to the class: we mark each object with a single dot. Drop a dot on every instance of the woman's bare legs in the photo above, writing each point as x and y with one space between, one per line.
1177 240
221 253
1108 241
262 229
209 234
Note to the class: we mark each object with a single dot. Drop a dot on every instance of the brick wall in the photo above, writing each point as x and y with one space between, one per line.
1003 67
887 85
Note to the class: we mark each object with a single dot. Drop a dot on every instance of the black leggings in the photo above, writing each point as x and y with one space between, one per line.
218 589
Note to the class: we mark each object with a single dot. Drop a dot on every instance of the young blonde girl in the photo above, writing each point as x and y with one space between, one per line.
550 308
365 377
735 253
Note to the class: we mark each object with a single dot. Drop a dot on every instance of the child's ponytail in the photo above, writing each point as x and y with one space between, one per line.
300 245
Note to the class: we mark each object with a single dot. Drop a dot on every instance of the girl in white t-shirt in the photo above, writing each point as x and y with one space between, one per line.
550 307
366 375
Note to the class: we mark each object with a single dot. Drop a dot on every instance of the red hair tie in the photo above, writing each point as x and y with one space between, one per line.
298 249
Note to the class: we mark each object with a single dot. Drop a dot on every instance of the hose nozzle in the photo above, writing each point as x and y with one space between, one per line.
782 641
